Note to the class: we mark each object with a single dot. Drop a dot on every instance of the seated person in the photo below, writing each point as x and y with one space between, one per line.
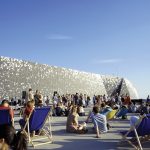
16 141
132 108
28 109
5 105
47 101
135 119
105 109
80 110
68 109
59 109
73 125
145 109
122 112
99 121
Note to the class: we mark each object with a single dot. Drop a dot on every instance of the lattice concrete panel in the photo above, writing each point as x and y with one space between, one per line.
18 75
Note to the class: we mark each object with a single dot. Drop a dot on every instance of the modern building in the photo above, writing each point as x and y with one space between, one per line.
19 75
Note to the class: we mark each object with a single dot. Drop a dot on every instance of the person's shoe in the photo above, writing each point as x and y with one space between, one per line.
97 136
108 126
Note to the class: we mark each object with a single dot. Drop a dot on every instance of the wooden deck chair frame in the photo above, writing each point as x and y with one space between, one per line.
47 131
134 128
8 119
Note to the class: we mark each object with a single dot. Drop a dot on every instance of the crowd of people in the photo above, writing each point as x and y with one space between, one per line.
72 106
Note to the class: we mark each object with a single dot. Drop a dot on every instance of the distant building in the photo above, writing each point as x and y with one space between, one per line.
18 75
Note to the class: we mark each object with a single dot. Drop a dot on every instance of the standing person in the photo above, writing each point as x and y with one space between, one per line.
40 102
36 97
0 99
80 100
84 100
47 101
94 99
148 100
55 99
89 102
104 98
76 98
29 95
99 121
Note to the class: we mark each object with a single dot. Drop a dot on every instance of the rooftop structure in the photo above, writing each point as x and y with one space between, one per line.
19 75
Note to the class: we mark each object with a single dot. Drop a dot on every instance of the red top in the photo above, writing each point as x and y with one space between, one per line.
127 100
28 110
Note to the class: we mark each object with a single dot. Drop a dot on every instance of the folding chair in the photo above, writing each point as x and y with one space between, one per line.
138 131
5 117
37 122
111 114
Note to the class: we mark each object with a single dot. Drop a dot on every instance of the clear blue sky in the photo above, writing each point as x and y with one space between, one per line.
100 36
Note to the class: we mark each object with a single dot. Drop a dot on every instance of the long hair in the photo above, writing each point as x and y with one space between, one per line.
74 109
20 141
7 132
15 141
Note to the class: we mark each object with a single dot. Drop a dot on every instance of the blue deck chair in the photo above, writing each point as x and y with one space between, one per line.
5 117
122 112
139 130
37 122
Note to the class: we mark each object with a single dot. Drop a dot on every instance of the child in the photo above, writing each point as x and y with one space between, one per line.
29 108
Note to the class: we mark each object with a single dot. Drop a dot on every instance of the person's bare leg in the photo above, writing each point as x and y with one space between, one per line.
97 132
